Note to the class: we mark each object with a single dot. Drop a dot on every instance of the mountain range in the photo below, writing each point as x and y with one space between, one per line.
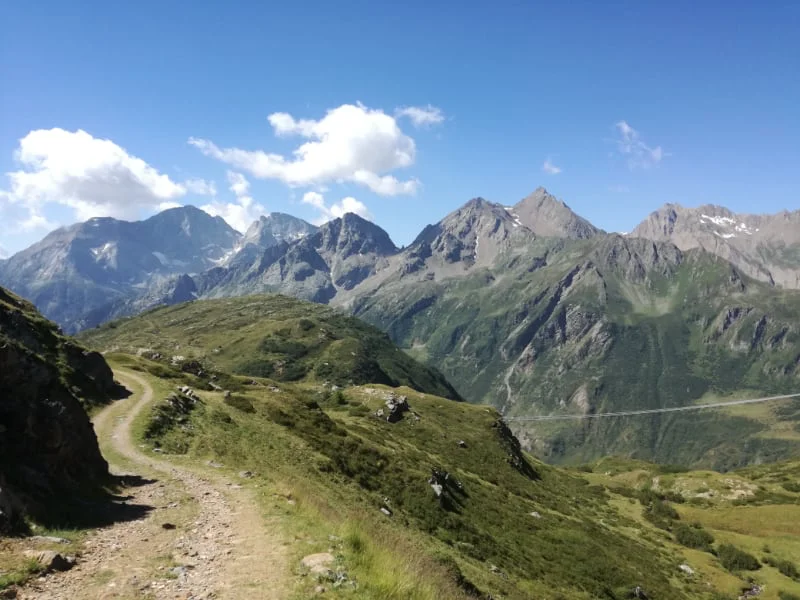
528 307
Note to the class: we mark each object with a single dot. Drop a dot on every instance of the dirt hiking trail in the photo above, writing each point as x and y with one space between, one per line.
201 537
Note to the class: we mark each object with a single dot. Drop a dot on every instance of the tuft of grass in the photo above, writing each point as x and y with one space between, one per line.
20 574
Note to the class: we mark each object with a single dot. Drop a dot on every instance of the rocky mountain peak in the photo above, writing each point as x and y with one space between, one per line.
476 233
352 234
547 216
276 227
765 247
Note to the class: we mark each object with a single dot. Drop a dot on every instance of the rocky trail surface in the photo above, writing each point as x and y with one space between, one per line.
197 536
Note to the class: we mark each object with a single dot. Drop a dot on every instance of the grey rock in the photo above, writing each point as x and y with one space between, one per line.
50 560
396 406
318 564
48 539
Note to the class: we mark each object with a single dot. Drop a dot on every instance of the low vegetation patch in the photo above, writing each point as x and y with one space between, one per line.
694 536
786 567
734 559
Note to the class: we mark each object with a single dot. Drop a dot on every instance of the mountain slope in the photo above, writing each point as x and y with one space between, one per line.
338 255
48 446
438 503
270 336
532 309
75 270
602 325
765 247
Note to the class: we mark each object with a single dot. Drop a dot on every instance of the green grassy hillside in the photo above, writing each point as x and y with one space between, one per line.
269 336
440 502
735 530
605 325
504 526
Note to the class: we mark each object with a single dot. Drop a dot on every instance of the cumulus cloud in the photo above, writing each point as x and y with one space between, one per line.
337 209
239 184
241 213
201 187
631 145
94 177
351 143
421 116
549 168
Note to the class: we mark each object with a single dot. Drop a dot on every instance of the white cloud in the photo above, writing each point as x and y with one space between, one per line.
241 213
639 154
421 116
351 143
549 168
386 185
337 209
94 177
239 184
619 189
201 187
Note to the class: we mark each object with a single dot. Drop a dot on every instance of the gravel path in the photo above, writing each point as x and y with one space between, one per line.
201 536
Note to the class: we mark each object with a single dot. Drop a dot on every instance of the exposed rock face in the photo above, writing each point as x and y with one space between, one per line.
270 230
336 257
475 234
47 443
765 247
547 216
638 259
81 268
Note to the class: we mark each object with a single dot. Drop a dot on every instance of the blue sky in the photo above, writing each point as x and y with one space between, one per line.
636 104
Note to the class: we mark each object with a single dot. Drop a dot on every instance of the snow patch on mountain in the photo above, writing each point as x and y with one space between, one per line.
515 216
104 252
728 223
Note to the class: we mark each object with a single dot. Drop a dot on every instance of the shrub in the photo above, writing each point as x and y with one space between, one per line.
786 567
787 596
734 559
792 486
656 510
694 537
669 469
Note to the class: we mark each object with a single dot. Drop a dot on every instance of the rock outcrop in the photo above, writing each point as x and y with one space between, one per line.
48 445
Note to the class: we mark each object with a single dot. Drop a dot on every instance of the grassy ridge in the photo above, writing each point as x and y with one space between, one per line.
271 336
